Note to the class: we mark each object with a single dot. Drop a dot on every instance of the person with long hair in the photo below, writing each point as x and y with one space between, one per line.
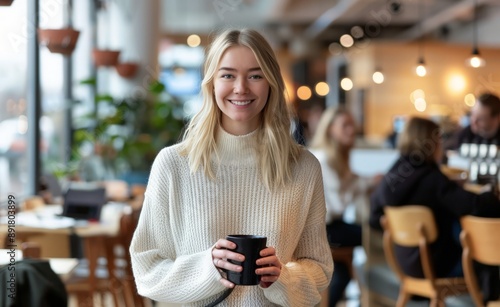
237 170
332 143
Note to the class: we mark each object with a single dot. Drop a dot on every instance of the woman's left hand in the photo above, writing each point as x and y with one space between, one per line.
271 267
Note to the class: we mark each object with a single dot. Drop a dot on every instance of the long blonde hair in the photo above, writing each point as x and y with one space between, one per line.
337 155
277 149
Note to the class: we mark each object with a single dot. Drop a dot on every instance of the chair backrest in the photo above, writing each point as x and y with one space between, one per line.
480 242
406 222
31 250
480 237
410 226
32 203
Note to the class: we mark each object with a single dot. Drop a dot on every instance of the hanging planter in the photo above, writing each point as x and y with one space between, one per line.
61 41
105 57
126 69
6 2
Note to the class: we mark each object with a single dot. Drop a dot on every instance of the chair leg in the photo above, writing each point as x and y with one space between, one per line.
84 299
437 301
402 298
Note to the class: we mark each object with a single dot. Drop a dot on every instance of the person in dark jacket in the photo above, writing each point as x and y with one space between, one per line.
416 179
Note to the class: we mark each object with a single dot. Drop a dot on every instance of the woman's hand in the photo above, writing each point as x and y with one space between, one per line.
271 267
221 254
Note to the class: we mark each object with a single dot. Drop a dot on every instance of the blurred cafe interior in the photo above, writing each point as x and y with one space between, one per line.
91 90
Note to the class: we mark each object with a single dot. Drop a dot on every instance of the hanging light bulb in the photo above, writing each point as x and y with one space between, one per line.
475 60
421 70
378 76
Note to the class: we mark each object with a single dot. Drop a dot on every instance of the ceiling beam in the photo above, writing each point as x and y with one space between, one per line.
329 17
439 19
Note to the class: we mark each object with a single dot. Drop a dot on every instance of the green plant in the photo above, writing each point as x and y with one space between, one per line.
126 133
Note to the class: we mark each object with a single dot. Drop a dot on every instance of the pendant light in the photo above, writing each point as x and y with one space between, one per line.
475 60
378 76
421 70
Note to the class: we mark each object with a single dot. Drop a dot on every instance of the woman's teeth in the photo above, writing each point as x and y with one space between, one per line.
240 102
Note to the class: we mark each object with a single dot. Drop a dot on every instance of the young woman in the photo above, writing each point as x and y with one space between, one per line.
332 143
237 171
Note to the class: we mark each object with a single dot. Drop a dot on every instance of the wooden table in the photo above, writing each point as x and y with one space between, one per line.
45 220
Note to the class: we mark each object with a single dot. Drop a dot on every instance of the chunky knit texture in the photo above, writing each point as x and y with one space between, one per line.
185 213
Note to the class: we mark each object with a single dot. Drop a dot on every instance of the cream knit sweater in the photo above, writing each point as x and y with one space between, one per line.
184 214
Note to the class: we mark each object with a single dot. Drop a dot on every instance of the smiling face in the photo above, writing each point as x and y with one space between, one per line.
241 90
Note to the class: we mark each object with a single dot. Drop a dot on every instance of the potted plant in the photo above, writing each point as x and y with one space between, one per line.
126 134
6 2
105 57
126 69
61 41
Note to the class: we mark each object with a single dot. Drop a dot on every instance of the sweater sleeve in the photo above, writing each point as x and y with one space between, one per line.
309 272
160 274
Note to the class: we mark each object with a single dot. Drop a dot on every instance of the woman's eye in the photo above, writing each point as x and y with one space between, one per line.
226 76
256 77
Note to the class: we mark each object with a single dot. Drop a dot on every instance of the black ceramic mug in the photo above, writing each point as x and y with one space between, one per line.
249 246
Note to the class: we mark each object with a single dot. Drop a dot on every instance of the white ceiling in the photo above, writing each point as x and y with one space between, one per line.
323 21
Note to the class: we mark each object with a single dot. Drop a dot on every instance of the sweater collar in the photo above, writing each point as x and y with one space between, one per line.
236 149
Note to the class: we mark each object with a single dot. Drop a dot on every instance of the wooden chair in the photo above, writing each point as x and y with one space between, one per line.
479 238
31 250
414 226
128 223
32 203
116 190
94 275
137 190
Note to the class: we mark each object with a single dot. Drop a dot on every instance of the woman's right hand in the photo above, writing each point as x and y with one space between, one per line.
221 254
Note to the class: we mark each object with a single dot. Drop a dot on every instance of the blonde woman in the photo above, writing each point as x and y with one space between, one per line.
332 144
237 171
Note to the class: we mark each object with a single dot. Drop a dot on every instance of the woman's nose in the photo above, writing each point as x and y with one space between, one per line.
240 86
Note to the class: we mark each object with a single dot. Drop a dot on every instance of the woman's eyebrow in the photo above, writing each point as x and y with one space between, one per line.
234 69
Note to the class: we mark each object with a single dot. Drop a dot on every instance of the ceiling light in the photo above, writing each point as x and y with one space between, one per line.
421 70
357 32
322 88
470 100
475 59
193 40
378 77
420 104
346 40
304 92
335 48
346 84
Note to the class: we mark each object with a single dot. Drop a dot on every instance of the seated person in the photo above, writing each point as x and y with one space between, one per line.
416 179
332 143
484 127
